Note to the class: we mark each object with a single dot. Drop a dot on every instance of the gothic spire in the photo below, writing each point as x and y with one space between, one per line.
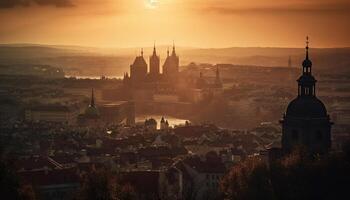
92 103
154 48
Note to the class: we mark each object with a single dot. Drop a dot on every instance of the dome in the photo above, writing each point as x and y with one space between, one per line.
92 111
306 107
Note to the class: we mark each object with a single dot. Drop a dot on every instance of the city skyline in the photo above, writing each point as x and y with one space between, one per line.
174 99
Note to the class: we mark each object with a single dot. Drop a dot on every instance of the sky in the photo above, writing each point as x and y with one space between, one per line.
190 23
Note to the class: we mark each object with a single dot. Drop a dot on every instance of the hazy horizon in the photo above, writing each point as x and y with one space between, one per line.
163 46
192 23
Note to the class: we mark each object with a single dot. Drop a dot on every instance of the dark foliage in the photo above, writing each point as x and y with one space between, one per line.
10 186
103 184
295 176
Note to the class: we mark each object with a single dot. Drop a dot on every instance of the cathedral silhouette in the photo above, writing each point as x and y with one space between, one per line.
139 69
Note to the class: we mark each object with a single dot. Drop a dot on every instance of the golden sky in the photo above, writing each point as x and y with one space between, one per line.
194 23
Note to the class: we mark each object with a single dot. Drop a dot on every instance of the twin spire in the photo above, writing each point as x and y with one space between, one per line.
155 51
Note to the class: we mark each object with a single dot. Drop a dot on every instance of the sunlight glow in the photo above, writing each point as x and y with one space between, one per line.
152 4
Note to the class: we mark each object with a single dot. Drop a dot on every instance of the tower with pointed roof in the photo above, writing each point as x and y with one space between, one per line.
92 111
306 122
154 63
138 70
171 65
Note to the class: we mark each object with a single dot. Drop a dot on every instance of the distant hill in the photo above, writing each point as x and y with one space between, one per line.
115 61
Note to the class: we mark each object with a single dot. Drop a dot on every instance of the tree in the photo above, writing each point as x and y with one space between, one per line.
126 192
10 186
9 183
295 176
26 192
248 180
103 184
99 185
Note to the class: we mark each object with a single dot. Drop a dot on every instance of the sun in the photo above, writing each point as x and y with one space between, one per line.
152 4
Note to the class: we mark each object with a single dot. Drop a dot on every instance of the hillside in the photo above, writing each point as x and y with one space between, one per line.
114 61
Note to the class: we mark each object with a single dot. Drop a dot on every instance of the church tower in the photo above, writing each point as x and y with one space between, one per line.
154 62
171 65
92 111
306 122
138 70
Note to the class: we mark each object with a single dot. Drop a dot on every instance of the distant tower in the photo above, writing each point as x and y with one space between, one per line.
92 100
306 122
171 65
138 70
154 62
162 124
92 111
218 83
126 80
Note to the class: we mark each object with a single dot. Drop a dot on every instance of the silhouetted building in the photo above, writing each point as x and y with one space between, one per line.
164 124
154 64
91 116
171 65
217 83
201 83
151 124
306 122
108 112
52 113
126 80
140 78
138 70
92 110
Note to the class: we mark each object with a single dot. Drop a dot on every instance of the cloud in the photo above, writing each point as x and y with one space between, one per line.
26 3
296 8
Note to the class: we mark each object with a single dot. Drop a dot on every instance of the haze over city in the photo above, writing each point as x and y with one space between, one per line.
174 99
